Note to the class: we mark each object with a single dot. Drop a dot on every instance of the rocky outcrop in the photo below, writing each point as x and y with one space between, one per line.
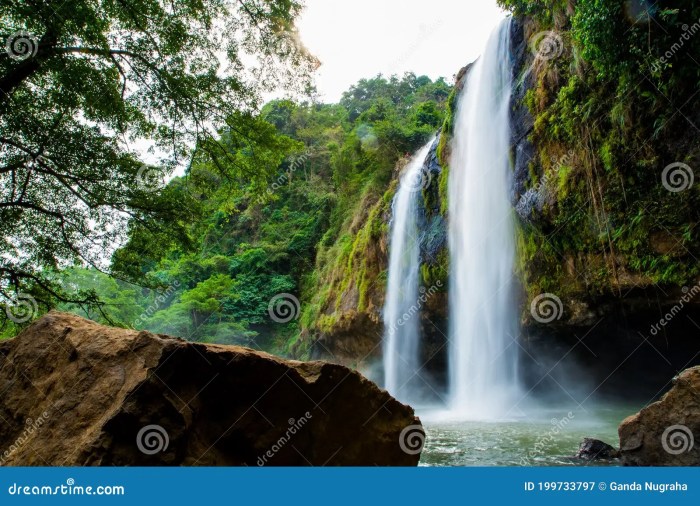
615 310
667 432
73 392
521 120
595 449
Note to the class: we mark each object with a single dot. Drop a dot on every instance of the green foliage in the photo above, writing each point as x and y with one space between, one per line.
606 125
83 82
306 231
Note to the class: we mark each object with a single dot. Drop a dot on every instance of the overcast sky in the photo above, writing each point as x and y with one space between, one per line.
362 38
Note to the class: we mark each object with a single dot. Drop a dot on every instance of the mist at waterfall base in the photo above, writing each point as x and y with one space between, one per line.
485 414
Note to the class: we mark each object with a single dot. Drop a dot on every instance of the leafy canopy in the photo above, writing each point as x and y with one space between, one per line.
85 84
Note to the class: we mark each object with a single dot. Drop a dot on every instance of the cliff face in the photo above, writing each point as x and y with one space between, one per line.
350 328
605 239
74 393
602 238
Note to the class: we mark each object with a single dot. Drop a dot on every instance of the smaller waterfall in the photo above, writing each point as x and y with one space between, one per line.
401 316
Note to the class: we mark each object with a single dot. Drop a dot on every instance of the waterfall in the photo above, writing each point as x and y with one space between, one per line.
483 318
401 309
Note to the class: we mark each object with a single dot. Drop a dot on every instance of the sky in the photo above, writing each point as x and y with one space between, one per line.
356 39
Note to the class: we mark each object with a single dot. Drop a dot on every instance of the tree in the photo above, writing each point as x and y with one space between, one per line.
84 83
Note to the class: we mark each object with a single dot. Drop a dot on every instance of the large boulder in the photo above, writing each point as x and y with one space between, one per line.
73 392
667 432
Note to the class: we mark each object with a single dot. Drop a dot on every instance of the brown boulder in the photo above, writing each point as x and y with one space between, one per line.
667 432
73 392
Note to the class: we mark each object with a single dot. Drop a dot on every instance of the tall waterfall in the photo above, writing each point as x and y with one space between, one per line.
401 318
483 319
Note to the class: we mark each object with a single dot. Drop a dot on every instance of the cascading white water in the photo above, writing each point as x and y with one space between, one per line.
401 319
483 319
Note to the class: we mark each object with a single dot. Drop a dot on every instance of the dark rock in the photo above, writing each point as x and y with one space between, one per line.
594 449
76 393
667 432
612 344
521 122
431 223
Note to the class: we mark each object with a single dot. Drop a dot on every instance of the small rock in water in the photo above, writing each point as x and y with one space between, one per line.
594 449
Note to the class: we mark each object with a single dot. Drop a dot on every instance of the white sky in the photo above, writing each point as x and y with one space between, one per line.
357 39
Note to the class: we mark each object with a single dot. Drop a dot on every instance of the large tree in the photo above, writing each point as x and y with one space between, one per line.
86 85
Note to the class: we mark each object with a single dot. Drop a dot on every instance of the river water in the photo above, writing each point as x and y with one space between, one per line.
547 437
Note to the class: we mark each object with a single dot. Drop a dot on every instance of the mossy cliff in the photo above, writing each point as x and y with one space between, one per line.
343 321
605 125
605 140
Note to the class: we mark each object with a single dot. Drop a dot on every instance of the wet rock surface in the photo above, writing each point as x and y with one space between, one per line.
595 449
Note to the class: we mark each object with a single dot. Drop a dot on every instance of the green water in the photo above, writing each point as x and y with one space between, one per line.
544 437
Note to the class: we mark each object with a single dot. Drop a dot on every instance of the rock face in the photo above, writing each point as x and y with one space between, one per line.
594 449
355 336
667 432
73 392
